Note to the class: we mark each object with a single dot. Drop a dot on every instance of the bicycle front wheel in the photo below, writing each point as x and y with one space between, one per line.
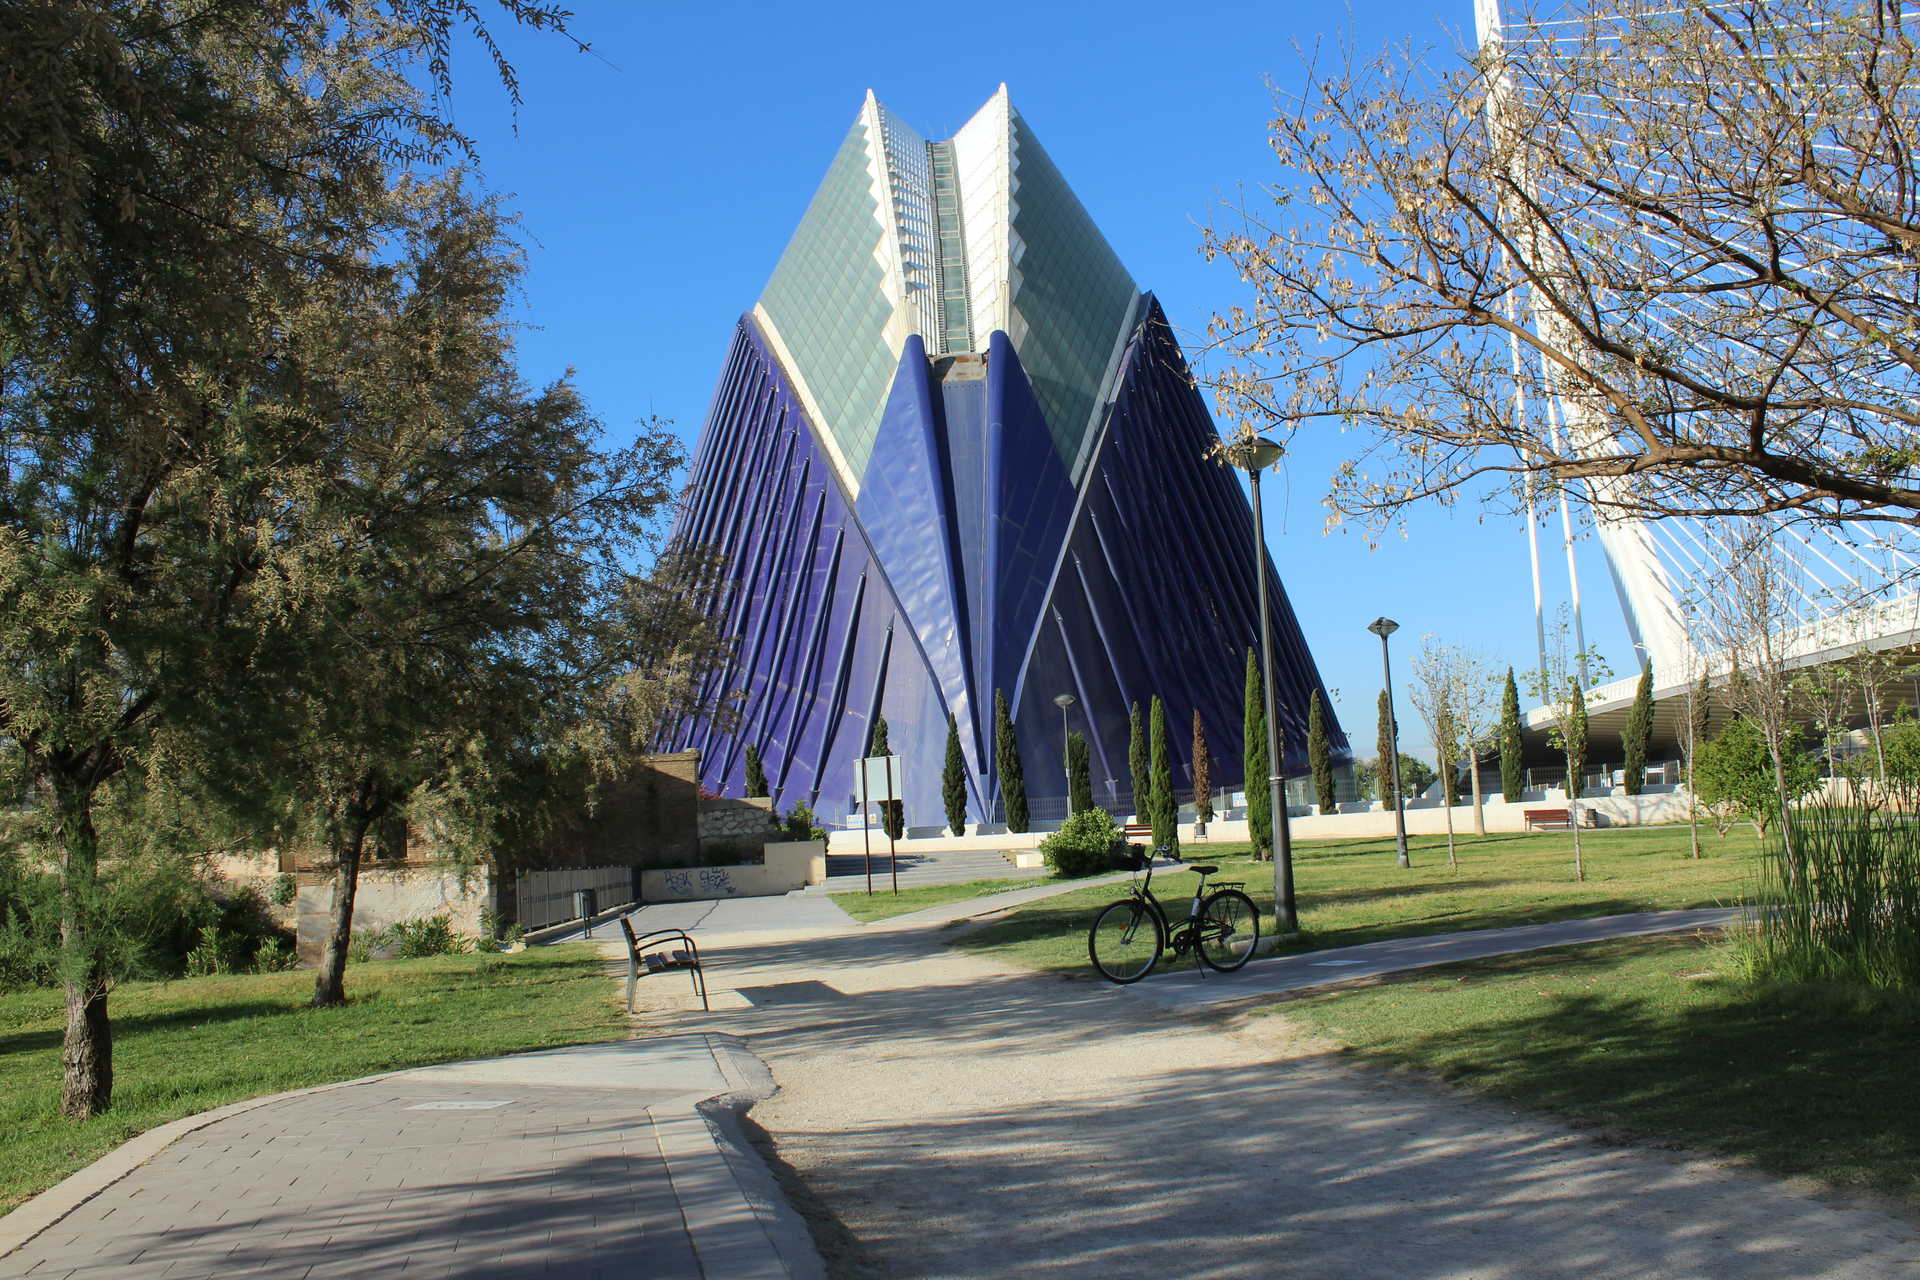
1229 930
1125 941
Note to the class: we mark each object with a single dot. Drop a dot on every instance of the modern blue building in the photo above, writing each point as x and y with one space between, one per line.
955 451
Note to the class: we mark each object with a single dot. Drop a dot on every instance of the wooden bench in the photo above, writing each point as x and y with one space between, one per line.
662 951
1137 831
1555 818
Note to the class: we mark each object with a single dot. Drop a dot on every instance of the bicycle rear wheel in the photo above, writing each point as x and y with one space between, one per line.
1229 930
1125 941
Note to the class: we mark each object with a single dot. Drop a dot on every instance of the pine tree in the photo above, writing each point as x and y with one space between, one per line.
893 818
1513 770
756 775
1638 734
1320 754
1165 813
1079 773
1384 742
953 781
1202 773
1142 780
1258 790
1006 752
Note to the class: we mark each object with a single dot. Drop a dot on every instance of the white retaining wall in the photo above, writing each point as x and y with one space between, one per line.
789 865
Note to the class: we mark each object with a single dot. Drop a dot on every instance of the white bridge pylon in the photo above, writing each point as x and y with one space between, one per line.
1844 585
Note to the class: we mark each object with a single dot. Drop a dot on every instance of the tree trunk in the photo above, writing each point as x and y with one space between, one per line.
1786 822
1451 860
329 983
86 1052
1479 812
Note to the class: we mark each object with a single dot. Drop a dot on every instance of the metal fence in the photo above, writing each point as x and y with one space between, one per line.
546 897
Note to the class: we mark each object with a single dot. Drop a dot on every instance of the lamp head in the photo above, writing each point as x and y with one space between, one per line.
1383 627
1063 700
1254 453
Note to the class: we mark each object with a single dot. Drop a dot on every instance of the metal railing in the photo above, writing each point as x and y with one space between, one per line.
542 898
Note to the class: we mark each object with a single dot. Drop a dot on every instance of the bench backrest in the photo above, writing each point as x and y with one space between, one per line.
628 930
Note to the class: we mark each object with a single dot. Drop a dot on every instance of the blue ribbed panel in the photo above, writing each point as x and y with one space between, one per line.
1157 596
903 505
949 581
806 603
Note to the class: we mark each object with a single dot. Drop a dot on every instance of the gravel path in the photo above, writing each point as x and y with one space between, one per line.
949 1117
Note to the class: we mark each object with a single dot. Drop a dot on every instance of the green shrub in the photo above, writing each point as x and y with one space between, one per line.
800 824
362 945
1083 846
275 955
433 936
159 918
284 890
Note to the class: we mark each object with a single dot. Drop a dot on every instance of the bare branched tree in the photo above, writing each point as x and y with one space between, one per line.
1751 622
1688 230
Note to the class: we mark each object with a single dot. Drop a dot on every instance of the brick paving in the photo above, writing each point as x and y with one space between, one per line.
399 1176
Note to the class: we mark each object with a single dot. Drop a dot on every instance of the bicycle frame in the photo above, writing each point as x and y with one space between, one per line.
1180 935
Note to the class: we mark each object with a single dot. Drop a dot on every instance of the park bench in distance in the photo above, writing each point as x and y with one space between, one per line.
1555 818
662 951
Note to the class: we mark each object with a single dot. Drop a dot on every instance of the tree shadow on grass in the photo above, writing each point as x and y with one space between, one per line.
171 1019
1798 1080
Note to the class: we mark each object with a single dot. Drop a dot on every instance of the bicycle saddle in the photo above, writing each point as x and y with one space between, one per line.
1205 871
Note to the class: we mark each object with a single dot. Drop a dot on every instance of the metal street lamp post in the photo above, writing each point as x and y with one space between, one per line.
1063 701
1384 627
1253 455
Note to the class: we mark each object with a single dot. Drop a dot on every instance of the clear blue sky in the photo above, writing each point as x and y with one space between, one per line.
659 177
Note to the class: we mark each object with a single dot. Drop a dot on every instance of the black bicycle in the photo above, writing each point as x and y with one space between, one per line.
1127 938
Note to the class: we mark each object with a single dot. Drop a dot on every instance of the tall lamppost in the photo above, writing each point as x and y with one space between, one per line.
1254 454
1063 701
1384 627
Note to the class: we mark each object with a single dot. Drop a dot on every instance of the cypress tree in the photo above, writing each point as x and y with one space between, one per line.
893 819
1166 814
1638 734
756 775
1142 780
1202 773
1696 723
1079 773
1385 762
953 781
1259 792
1513 769
1576 750
1006 753
1320 754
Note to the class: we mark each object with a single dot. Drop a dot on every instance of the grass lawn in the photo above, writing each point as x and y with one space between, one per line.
1650 1036
191 1045
1351 891
882 902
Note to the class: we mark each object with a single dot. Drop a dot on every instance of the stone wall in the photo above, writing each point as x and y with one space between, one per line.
389 895
744 825
649 819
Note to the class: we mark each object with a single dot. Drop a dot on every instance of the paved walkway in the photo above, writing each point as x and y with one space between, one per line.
940 1115
937 1115
589 1161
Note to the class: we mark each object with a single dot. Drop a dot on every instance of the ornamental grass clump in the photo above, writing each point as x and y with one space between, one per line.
1840 904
